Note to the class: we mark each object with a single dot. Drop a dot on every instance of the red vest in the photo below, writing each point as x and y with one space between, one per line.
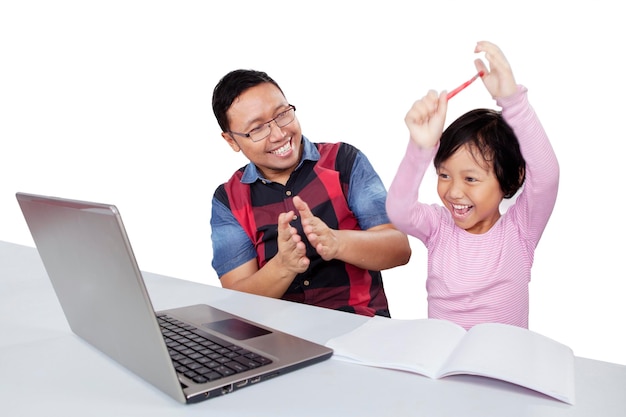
323 185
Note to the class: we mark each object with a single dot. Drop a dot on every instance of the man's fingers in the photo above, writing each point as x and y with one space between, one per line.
302 206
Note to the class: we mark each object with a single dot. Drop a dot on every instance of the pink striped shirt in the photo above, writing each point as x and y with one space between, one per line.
477 278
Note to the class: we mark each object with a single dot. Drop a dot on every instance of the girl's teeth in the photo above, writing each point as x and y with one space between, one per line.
460 209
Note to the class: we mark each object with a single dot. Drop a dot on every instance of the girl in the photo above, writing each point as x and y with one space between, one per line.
479 260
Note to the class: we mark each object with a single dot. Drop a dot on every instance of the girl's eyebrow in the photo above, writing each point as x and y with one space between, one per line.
464 171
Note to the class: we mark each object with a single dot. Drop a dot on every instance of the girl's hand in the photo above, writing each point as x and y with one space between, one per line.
426 118
498 78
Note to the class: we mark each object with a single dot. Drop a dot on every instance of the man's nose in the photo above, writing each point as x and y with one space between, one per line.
276 133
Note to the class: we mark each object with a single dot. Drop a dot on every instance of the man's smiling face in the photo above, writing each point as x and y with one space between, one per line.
277 155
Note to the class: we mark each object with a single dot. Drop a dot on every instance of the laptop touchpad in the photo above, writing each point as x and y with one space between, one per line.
236 329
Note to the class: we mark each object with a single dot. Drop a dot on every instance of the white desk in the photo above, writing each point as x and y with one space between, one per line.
46 370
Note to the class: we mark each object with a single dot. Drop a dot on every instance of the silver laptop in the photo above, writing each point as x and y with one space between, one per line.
192 353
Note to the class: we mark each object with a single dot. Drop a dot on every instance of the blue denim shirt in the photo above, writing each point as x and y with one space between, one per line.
232 246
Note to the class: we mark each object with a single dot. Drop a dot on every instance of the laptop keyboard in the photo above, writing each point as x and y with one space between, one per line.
202 357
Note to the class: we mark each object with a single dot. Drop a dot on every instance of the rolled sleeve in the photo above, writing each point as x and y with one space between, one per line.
231 245
367 194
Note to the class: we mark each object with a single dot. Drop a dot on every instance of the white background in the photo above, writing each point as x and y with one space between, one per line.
110 101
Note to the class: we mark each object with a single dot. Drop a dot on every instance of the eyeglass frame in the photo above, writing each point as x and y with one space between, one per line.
269 124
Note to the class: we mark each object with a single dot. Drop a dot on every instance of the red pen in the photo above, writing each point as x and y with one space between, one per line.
465 84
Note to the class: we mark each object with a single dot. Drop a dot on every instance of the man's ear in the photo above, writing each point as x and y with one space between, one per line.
231 141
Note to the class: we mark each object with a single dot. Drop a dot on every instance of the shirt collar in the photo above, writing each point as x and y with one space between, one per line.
309 152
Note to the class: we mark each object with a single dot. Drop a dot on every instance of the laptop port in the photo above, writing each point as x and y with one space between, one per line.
255 379
241 383
226 389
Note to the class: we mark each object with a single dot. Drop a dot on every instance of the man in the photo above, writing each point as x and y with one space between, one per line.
303 222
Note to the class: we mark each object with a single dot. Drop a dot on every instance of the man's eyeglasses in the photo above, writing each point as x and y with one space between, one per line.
259 133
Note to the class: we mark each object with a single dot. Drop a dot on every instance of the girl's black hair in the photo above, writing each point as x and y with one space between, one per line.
486 132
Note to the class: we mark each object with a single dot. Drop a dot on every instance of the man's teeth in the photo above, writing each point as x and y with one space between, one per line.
283 149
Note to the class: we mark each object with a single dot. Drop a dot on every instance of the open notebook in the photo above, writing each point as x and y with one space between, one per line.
192 353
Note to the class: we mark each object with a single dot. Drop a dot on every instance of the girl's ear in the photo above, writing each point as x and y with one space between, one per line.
522 175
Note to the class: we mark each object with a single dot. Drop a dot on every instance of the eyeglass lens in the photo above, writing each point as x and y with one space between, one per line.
282 120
